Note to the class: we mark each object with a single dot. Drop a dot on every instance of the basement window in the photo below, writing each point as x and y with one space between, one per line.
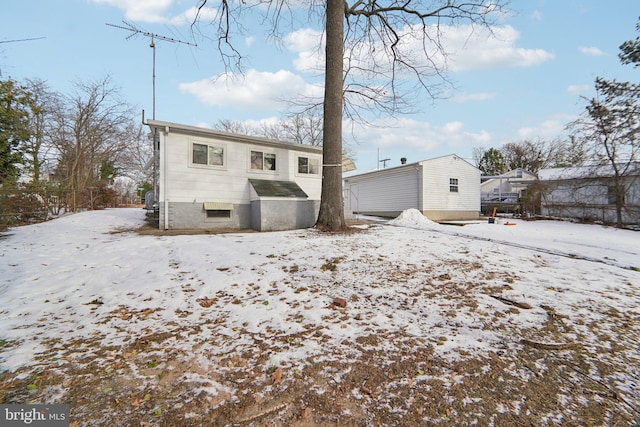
218 210
453 185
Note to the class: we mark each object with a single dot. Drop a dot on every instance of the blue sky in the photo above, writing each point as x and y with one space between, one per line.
525 81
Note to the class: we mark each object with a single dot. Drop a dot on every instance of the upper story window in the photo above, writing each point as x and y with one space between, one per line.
207 155
308 165
263 161
453 185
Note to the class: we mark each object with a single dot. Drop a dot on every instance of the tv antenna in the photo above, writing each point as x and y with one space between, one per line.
22 40
134 32
18 41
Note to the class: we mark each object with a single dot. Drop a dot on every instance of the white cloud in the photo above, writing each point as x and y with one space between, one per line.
479 49
308 44
417 138
467 48
141 10
591 51
187 17
158 11
249 40
578 89
553 127
256 89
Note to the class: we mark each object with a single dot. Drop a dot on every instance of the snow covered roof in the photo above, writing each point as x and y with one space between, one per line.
592 171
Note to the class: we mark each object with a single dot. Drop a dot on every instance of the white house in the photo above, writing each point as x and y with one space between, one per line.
510 186
444 188
210 179
588 193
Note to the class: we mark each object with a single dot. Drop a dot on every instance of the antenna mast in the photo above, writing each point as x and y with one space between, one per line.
156 140
134 32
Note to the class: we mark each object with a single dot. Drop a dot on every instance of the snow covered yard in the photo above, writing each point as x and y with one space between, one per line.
404 323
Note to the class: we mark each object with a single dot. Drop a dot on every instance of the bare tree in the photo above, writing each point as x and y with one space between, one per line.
91 129
533 155
477 154
136 161
43 103
302 128
387 52
610 126
235 126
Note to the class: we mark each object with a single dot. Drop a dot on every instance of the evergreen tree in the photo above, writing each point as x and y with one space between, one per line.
492 163
14 128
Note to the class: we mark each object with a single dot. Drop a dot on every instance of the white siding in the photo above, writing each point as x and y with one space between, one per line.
436 194
182 181
385 191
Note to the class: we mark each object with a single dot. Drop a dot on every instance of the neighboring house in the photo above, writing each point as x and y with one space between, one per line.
444 188
508 187
588 193
210 179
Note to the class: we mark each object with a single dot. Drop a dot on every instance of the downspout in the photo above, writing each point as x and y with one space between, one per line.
166 193
420 177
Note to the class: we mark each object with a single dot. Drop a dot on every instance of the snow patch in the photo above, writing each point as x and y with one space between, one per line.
413 218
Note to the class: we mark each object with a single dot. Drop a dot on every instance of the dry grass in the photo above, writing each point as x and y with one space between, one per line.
548 375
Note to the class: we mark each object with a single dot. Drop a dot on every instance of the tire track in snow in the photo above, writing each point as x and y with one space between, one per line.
606 261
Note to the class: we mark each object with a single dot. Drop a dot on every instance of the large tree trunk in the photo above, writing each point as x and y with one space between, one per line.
331 216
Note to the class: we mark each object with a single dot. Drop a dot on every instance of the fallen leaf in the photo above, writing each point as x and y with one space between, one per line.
277 376
340 302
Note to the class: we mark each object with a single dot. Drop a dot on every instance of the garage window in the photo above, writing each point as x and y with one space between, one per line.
453 185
